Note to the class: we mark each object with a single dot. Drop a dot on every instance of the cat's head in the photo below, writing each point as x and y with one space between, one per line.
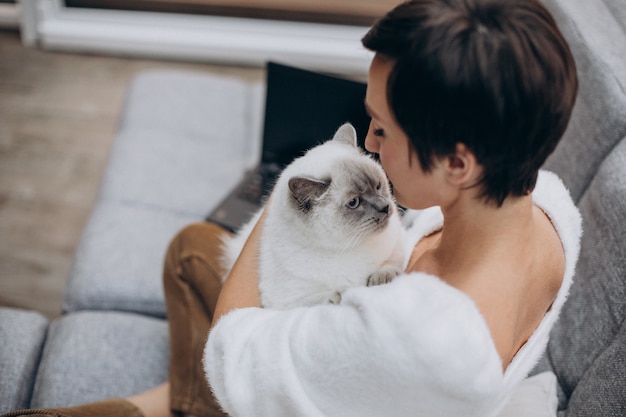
351 201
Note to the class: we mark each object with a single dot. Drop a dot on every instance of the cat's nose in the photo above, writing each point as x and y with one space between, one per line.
384 209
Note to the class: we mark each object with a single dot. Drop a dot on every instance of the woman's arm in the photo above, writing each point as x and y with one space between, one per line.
241 288
415 346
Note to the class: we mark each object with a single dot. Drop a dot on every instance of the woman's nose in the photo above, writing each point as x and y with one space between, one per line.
371 140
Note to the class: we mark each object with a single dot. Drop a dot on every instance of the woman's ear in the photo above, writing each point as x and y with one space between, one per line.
461 167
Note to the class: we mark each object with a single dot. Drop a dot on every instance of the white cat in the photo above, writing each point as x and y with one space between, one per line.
331 224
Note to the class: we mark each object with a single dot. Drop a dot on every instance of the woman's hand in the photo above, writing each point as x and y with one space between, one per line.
241 288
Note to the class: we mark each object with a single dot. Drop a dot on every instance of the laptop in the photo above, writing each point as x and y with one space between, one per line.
302 109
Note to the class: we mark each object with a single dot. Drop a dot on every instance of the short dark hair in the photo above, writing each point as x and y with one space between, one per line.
496 75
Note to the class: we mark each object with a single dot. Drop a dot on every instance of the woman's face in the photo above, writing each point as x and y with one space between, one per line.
413 188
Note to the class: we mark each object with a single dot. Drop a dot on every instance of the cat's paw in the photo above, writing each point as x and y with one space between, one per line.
384 275
335 298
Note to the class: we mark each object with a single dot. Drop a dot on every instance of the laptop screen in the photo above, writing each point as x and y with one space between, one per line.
305 108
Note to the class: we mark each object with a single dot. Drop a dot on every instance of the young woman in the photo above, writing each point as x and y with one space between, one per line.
467 98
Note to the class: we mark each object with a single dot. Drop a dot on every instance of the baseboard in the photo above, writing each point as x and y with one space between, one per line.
239 41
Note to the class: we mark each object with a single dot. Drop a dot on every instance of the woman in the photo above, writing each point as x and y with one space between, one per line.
467 98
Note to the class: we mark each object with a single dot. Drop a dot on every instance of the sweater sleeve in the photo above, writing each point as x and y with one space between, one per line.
415 346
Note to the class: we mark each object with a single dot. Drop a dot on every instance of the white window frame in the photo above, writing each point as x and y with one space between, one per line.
228 40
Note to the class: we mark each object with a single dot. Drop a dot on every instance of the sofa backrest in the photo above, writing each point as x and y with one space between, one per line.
598 43
587 349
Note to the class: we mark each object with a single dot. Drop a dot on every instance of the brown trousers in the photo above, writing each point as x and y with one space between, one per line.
192 282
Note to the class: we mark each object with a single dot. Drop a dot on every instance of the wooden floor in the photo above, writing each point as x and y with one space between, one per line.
58 116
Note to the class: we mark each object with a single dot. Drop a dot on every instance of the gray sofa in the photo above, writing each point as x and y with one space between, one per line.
185 139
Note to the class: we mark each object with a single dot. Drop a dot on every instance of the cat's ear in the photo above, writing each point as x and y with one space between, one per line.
346 134
305 190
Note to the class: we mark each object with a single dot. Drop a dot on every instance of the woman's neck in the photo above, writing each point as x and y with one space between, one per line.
474 233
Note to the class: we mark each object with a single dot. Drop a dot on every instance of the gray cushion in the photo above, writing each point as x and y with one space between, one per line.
185 139
22 334
90 356
618 8
118 265
598 123
602 390
596 309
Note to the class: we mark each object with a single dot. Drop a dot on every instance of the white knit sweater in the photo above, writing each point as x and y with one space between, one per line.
415 347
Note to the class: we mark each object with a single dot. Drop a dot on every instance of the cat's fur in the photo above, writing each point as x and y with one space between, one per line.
313 245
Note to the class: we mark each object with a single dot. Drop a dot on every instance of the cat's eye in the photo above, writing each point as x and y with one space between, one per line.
354 203
378 186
